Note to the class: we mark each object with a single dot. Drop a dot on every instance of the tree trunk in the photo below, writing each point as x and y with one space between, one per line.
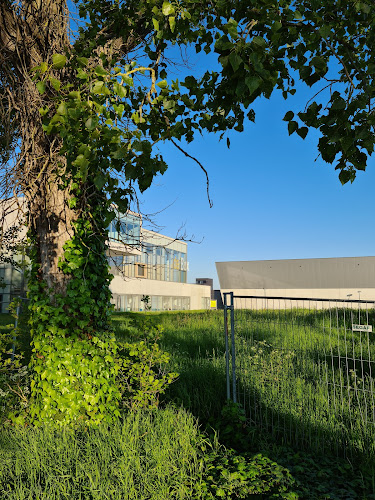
73 365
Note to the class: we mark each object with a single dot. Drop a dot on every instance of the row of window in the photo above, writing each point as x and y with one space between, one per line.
150 303
161 273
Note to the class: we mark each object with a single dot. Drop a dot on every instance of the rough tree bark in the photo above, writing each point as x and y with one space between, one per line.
30 32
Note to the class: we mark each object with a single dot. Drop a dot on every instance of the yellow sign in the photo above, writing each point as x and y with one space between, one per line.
213 304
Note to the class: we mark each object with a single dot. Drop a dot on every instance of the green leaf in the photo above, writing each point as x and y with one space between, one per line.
62 109
288 116
91 123
41 86
302 132
252 83
231 27
81 161
82 75
346 176
74 95
82 61
163 84
100 71
100 88
235 60
325 31
259 41
319 63
100 180
56 84
223 44
119 90
59 61
172 23
167 9
43 67
155 22
292 127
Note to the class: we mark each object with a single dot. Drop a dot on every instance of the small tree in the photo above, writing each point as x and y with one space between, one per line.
80 117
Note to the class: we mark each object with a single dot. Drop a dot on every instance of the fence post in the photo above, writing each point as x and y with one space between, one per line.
234 389
226 343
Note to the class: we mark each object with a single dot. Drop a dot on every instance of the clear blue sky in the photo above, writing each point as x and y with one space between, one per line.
272 200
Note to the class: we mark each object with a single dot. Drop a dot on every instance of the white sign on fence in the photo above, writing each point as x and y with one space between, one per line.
362 328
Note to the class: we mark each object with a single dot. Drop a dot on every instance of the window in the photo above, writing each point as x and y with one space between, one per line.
140 271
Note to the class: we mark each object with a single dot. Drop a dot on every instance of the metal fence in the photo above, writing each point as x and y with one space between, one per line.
303 369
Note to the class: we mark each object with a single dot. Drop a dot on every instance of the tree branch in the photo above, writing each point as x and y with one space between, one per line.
202 167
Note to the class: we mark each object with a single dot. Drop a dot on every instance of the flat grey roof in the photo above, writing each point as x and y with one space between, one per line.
337 272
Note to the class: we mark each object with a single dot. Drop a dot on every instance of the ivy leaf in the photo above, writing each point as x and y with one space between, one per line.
58 60
56 84
41 86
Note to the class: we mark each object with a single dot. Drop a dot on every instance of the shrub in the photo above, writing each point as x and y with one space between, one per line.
143 374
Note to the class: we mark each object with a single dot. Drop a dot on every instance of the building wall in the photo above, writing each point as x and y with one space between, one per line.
346 278
168 294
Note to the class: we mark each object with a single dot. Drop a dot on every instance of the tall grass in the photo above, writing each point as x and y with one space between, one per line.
149 456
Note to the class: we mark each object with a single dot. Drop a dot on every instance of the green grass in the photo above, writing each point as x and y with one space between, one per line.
149 456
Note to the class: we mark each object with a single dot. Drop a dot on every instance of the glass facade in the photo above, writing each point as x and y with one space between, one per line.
153 257
126 229
156 261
